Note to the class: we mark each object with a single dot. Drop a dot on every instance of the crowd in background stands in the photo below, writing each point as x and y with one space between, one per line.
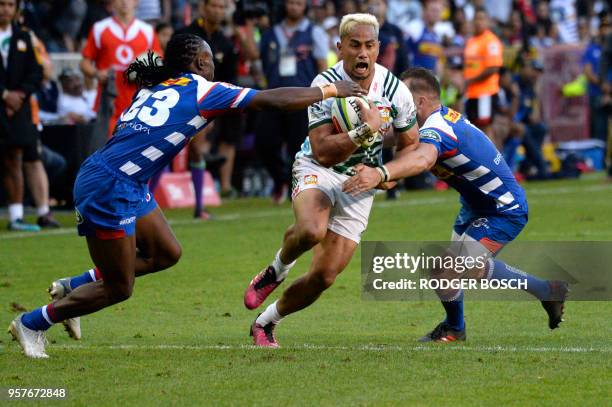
487 54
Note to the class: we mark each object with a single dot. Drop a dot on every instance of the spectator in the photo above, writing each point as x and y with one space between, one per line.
393 54
73 106
563 14
605 72
164 32
591 60
35 154
403 12
482 60
228 128
330 25
20 77
293 52
154 11
508 131
71 14
529 114
109 50
424 44
348 7
96 10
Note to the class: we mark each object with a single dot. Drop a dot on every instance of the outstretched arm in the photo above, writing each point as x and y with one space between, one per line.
407 165
300 98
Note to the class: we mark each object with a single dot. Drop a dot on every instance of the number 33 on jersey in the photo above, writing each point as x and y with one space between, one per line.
162 119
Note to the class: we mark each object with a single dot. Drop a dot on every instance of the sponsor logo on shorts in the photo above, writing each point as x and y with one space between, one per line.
310 179
79 217
127 221
481 222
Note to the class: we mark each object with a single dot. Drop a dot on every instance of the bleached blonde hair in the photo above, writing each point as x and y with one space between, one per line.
349 22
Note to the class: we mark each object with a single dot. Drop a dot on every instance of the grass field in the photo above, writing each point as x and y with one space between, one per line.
182 339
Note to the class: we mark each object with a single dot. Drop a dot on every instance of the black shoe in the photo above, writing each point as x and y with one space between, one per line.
48 222
444 333
555 304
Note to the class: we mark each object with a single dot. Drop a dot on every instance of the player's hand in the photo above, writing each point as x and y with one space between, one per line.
348 88
365 179
13 100
102 75
370 116
386 185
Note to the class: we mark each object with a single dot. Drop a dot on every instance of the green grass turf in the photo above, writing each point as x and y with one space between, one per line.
182 339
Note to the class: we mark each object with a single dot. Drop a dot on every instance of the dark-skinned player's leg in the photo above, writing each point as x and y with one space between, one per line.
153 248
156 245
312 209
330 258
156 249
116 260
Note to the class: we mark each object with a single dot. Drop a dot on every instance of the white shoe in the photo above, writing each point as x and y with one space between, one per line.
32 342
59 289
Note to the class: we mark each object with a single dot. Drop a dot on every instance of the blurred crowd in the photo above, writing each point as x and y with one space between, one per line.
488 55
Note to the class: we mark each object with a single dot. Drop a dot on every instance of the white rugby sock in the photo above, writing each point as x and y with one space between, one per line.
42 210
15 211
269 315
281 269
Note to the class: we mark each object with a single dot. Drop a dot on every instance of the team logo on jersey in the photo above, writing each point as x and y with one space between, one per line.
124 54
176 82
387 114
430 135
79 217
148 197
452 116
310 179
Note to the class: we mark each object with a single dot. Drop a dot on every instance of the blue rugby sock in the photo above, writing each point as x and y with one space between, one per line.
454 313
40 319
87 277
197 178
535 286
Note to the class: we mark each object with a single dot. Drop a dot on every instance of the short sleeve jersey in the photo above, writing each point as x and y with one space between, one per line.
113 46
481 52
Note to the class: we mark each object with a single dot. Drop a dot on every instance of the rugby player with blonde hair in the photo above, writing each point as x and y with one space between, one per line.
328 220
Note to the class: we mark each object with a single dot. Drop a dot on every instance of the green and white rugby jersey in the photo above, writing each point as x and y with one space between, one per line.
393 99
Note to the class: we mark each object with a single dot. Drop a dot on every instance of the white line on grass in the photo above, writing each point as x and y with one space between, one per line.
362 348
287 211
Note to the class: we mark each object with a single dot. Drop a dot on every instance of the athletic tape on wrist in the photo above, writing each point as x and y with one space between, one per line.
362 135
385 172
328 90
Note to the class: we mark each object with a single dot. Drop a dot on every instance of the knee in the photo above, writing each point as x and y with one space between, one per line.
311 234
174 255
170 256
12 163
119 292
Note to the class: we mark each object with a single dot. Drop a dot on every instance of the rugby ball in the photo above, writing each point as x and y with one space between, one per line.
346 112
